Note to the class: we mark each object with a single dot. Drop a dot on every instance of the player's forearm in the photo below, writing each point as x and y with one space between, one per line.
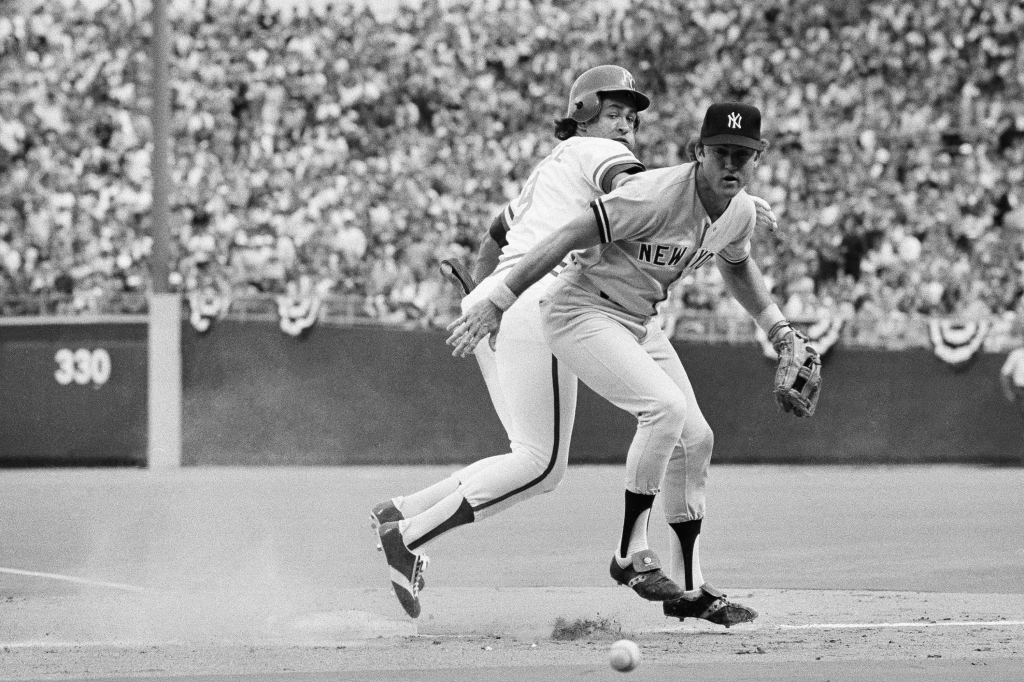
580 233
486 258
745 283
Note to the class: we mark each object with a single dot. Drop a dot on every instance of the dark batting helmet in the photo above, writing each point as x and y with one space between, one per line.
584 97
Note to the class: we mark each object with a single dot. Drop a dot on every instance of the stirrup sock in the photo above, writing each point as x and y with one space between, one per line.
634 523
462 514
688 532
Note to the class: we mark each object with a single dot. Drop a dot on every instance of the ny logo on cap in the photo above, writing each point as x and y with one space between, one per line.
734 121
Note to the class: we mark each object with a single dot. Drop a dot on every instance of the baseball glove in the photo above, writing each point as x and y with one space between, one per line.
798 375
458 275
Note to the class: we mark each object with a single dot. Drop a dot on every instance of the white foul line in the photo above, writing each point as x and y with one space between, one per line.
919 624
73 579
37 644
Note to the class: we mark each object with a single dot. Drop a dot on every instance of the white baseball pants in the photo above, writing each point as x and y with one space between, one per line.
635 367
535 398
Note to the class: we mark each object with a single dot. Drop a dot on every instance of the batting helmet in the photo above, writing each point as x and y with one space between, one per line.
584 97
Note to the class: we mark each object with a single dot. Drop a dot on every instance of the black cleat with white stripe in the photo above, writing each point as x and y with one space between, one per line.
406 568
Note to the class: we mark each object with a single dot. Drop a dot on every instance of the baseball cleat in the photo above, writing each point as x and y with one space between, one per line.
406 567
645 576
387 512
711 605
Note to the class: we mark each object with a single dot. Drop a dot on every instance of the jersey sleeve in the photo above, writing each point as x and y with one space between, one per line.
509 214
627 212
601 160
738 250
501 224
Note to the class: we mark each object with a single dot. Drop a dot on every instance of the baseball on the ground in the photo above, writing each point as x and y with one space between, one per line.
624 655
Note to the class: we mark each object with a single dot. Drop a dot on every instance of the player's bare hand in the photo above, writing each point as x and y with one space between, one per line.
473 326
765 216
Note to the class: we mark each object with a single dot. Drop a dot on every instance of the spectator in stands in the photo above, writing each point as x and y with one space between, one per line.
898 161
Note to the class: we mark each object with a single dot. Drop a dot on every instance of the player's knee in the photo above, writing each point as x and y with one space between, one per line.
668 411
551 477
549 483
703 441
536 468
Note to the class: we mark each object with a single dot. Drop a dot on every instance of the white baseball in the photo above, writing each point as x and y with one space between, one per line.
624 655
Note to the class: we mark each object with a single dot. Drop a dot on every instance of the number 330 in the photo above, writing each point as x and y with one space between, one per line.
82 366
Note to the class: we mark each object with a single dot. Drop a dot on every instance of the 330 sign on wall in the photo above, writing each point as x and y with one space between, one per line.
73 392
82 367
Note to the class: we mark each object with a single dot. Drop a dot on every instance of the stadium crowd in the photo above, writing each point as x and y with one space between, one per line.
347 153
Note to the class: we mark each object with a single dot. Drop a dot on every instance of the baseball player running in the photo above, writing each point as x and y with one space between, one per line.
600 320
533 394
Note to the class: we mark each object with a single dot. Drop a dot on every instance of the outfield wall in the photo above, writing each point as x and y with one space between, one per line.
75 394
73 391
362 395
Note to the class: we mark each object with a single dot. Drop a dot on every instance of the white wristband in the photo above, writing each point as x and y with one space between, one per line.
769 317
502 296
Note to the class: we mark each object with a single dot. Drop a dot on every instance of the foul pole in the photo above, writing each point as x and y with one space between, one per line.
164 383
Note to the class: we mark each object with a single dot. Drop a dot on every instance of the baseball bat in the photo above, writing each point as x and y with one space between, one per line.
456 273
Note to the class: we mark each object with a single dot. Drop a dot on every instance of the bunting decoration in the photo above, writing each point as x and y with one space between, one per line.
298 312
206 306
823 335
957 343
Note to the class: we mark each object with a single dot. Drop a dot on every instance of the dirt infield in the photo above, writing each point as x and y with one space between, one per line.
271 574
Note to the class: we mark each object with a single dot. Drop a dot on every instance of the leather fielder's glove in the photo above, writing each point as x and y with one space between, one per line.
458 275
798 375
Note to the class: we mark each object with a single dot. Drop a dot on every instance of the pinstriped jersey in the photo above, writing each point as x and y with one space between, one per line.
654 230
559 189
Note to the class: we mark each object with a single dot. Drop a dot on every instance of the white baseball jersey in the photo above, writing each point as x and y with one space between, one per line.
559 189
654 230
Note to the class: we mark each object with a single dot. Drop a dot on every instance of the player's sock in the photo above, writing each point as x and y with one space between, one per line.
419 502
634 526
638 538
685 559
449 513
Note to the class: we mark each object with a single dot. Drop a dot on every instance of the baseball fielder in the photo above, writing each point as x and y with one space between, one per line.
600 320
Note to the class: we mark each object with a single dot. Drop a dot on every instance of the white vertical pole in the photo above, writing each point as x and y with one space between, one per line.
165 390
164 341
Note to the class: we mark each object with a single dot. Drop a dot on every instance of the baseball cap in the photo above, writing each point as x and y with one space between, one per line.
732 123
